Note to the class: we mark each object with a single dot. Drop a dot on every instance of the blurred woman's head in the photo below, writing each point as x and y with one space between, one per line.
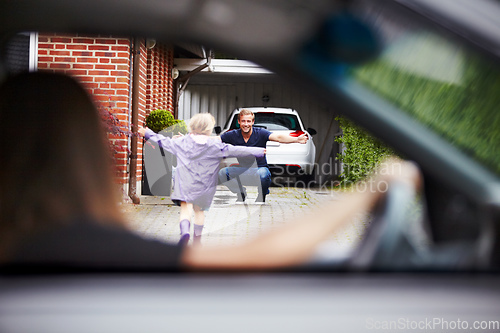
56 162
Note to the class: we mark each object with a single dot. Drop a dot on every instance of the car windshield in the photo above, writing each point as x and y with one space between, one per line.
272 121
451 89
442 84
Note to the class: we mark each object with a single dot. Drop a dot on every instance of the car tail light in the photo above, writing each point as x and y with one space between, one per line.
297 133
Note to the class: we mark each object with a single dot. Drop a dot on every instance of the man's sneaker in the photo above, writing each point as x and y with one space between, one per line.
261 199
241 198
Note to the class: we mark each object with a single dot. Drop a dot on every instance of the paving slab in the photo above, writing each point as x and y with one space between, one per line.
228 223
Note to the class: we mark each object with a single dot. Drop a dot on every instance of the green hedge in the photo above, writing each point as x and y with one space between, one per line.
465 113
459 101
361 153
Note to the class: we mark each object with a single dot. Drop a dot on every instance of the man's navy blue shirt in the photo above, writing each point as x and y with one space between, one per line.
259 138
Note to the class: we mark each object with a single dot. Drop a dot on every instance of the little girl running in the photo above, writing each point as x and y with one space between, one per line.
196 174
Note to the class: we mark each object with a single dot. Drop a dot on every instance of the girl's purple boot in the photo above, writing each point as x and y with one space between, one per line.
184 225
198 229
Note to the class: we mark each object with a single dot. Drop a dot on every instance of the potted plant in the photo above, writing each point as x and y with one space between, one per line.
163 120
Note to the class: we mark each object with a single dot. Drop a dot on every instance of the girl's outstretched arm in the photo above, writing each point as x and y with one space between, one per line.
242 151
163 141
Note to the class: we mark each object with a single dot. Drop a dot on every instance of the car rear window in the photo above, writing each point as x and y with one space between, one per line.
272 121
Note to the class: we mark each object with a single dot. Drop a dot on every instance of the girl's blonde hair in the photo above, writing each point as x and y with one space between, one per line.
202 123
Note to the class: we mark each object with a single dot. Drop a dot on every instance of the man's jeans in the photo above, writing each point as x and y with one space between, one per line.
260 177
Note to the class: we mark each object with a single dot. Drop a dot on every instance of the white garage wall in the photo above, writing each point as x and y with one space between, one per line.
221 95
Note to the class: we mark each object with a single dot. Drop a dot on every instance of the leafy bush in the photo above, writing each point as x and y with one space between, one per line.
361 153
158 120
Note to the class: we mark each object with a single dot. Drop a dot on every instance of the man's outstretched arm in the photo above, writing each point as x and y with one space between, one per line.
286 138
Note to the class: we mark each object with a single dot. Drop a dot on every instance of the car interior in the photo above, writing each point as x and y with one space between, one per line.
422 76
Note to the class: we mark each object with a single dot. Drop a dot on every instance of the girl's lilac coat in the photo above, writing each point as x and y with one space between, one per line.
196 174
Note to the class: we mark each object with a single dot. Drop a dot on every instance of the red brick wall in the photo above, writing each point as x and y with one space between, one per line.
103 65
159 78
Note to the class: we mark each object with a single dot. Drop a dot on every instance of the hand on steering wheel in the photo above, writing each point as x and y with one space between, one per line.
388 244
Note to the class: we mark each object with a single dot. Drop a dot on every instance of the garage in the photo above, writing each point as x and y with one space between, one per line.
225 85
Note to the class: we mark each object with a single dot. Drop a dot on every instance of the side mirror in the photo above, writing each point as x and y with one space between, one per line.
217 130
312 131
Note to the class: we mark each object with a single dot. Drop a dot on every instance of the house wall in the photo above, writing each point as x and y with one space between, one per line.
159 92
103 65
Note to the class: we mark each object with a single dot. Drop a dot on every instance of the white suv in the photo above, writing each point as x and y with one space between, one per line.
283 159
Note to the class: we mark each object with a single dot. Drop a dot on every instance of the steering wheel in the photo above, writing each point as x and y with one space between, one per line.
396 238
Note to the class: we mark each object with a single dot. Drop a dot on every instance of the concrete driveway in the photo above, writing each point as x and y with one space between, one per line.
227 223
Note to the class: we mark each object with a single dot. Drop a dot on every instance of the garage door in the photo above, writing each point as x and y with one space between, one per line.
219 96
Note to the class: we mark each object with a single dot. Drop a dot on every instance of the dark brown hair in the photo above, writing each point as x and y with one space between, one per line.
56 163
